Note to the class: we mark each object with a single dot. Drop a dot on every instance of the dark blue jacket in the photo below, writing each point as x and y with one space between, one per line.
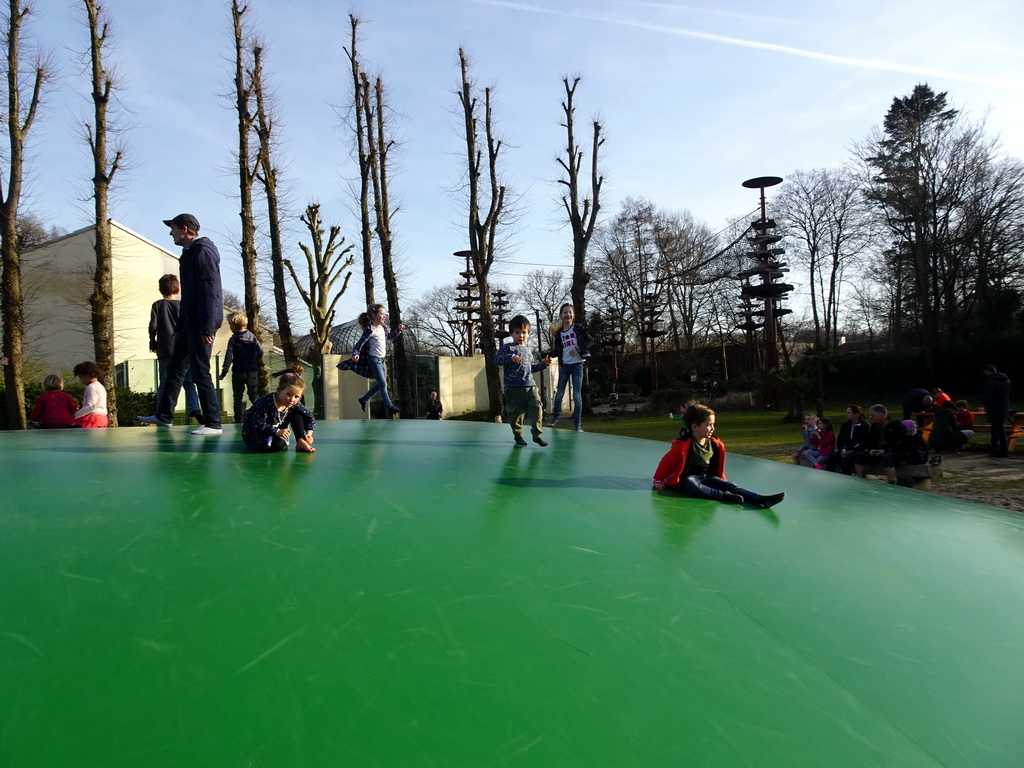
244 351
202 298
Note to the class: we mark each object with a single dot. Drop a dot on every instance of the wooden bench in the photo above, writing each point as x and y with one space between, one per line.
916 476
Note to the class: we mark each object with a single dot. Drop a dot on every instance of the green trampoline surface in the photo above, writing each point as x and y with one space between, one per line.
427 594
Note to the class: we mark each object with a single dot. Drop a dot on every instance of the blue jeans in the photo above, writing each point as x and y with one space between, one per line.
565 370
711 487
381 385
191 396
191 355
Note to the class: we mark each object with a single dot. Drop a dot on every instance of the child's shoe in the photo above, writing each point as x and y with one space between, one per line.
772 500
818 466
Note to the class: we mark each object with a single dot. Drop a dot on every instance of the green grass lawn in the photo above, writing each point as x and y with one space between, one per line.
751 433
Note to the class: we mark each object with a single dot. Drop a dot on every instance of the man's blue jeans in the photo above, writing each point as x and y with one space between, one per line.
191 396
191 355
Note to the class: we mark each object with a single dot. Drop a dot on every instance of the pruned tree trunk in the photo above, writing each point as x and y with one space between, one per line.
102 301
581 219
247 165
486 203
267 176
325 263
19 119
363 129
379 144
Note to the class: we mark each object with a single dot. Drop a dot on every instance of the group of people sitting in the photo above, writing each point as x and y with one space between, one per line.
878 439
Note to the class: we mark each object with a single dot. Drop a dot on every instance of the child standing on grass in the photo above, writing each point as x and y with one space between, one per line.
521 396
244 353
93 412
55 408
274 417
695 464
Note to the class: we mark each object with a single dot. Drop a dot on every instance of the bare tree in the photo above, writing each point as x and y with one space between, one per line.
363 129
439 328
547 291
97 133
379 145
248 163
24 95
825 210
267 176
486 205
325 264
581 221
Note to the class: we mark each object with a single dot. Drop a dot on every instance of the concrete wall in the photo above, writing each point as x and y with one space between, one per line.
462 387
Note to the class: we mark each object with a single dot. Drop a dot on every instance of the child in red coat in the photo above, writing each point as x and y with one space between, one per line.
55 408
695 464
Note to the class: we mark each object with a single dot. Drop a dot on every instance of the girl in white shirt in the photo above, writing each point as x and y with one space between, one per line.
93 412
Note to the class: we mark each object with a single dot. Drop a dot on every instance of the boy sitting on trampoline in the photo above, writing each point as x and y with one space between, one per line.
695 464
273 417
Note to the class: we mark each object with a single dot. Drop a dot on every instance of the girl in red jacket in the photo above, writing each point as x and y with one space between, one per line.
695 464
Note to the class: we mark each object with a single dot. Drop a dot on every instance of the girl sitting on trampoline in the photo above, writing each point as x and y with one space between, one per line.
695 464
272 419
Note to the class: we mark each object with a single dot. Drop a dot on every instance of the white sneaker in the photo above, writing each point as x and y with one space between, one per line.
204 431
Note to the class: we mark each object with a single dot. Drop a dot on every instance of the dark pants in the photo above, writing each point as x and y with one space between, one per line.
240 381
1000 442
296 424
711 487
191 355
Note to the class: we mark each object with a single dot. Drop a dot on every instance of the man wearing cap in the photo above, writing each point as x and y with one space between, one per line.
200 315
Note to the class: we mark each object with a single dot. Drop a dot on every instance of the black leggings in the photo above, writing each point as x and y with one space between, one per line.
296 424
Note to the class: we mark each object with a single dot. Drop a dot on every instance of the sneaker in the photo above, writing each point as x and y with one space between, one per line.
551 424
728 497
540 441
153 420
519 440
579 429
205 431
771 501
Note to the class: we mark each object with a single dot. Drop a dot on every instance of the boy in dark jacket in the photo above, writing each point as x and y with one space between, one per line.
244 352
163 318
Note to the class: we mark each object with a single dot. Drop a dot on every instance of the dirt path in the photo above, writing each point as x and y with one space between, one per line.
975 476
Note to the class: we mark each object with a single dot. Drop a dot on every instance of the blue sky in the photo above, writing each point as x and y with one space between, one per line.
694 98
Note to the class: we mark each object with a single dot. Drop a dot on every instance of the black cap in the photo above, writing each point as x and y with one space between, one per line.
183 220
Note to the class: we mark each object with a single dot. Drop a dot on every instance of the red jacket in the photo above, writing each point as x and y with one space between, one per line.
672 468
54 408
